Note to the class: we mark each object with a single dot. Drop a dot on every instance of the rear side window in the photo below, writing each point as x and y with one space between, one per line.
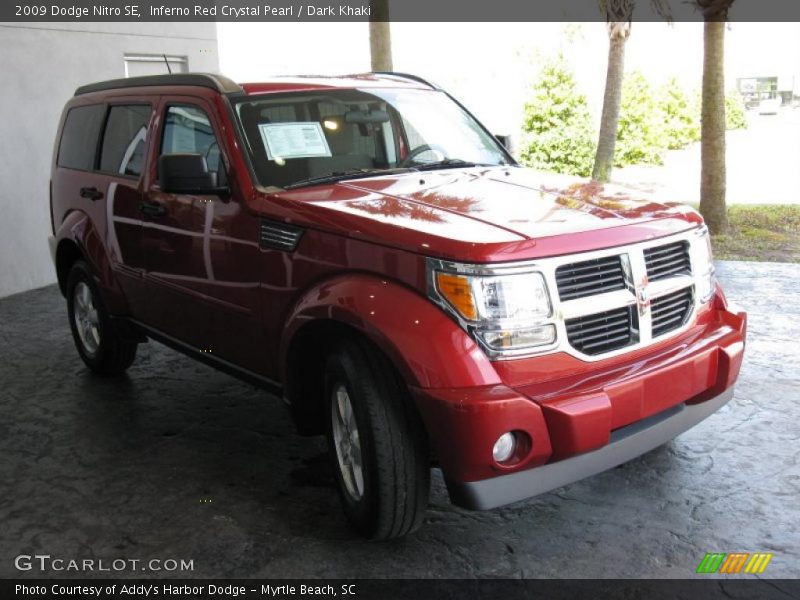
124 140
79 138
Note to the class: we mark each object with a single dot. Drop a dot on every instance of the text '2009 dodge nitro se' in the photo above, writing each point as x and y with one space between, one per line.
364 247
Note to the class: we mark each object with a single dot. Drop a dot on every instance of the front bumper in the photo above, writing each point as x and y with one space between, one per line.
626 443
581 418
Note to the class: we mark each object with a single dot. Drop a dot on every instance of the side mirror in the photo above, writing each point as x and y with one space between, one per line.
503 139
188 174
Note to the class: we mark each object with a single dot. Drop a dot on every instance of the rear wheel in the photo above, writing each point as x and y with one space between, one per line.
377 443
97 341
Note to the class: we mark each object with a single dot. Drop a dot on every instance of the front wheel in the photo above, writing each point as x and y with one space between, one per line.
377 443
96 339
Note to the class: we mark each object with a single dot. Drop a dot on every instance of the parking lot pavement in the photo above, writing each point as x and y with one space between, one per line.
180 461
761 165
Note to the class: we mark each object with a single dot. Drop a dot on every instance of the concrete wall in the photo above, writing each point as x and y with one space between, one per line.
42 65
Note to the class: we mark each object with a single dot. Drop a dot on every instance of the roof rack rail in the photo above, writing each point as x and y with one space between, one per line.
218 83
408 76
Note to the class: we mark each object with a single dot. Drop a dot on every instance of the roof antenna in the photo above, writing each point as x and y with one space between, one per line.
166 61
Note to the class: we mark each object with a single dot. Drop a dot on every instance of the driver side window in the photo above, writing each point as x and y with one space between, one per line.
187 129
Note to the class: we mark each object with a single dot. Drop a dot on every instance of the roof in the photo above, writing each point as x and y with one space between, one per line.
224 85
219 83
322 82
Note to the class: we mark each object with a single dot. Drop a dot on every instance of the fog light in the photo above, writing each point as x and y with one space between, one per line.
504 447
542 335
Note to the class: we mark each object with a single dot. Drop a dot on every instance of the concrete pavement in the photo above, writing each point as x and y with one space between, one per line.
180 461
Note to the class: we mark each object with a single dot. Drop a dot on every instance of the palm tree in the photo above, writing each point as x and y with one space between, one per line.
380 36
712 143
618 15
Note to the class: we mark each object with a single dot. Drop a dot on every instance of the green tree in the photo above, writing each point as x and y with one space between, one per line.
557 129
679 114
640 132
735 111
735 114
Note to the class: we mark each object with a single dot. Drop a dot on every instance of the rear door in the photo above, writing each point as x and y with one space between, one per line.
121 164
99 172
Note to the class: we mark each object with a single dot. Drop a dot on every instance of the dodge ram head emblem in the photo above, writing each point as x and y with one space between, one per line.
643 297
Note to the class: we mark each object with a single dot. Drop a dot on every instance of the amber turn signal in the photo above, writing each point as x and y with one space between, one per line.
456 290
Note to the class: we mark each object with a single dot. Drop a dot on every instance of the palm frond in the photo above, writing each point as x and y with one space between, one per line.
622 10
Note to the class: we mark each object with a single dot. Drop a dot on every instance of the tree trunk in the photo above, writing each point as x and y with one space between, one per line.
607 140
712 145
380 36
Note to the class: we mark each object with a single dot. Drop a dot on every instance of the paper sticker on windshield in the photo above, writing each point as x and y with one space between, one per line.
294 140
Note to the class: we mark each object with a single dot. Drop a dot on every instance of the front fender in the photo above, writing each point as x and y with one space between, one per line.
428 347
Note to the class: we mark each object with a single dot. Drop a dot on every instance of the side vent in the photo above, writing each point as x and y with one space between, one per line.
279 236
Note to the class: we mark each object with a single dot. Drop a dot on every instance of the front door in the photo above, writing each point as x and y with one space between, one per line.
175 231
202 252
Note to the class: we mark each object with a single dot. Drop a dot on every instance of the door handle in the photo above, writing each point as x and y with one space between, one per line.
92 193
153 209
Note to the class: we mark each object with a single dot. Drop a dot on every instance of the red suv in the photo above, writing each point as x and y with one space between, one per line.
364 247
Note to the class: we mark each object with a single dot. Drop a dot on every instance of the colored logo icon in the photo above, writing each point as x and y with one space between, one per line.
734 562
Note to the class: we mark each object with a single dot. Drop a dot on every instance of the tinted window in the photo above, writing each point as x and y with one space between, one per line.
79 137
188 130
124 140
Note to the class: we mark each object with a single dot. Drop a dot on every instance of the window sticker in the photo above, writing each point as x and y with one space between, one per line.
301 139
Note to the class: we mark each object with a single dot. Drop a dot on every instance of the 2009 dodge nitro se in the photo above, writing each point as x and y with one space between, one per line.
363 246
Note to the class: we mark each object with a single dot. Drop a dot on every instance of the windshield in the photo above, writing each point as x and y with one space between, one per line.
296 139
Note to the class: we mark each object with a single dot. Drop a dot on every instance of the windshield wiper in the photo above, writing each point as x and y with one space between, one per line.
450 162
335 176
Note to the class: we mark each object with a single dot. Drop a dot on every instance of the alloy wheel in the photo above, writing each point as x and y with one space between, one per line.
87 319
347 442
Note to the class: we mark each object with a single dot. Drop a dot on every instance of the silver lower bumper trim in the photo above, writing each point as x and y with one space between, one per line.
626 443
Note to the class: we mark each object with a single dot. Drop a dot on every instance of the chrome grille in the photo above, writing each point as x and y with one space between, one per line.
668 261
671 311
603 332
604 302
590 277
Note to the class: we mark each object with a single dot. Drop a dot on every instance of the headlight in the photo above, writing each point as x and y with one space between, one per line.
508 297
506 312
704 266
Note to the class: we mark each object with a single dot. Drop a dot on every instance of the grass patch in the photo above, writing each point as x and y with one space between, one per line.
769 233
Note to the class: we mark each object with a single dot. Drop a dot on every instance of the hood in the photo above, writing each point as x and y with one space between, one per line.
513 212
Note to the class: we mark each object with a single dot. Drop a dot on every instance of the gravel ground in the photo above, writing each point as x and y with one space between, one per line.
179 461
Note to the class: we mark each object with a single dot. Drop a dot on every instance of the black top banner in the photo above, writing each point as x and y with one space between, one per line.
360 10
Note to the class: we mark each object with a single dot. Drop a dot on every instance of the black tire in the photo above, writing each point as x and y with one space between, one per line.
394 449
105 352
